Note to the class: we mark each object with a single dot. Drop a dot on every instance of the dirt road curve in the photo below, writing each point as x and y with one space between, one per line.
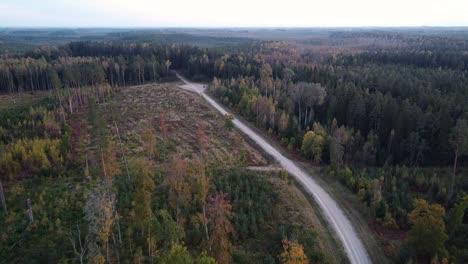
349 238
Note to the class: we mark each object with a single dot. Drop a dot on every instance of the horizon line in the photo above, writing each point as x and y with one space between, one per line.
228 27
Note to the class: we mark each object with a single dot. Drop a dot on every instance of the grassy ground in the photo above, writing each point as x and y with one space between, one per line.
295 207
142 107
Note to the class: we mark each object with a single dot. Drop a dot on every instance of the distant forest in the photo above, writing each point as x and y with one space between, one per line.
405 102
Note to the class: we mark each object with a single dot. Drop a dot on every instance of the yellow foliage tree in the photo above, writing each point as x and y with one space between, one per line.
143 172
30 156
109 163
180 188
293 253
149 140
427 235
312 145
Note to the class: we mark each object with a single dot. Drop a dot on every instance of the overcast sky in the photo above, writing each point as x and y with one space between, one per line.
232 13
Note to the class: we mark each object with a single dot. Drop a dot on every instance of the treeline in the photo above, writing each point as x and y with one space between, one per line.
80 64
426 58
404 116
194 60
435 40
25 75
418 47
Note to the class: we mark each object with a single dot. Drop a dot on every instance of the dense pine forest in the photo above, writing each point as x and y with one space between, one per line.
383 113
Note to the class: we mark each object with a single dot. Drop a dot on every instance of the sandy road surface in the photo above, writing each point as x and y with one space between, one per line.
341 225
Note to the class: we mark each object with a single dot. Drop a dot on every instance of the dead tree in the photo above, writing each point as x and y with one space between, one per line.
30 212
122 150
2 198
81 248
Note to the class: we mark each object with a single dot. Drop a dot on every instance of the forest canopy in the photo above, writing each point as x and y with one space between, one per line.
383 113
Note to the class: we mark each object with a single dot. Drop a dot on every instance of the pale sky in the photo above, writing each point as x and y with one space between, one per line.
233 13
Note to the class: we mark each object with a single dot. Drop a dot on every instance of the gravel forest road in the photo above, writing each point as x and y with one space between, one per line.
341 225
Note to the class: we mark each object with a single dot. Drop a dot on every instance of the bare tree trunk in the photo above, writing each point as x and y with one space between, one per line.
300 119
83 247
311 115
10 86
112 77
119 82
306 116
104 171
122 150
107 252
274 92
30 212
140 75
150 252
177 213
205 224
62 110
2 198
87 166
117 255
48 85
80 97
31 79
120 235
70 103
454 172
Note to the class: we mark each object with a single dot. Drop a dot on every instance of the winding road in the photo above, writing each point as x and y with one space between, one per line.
346 233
